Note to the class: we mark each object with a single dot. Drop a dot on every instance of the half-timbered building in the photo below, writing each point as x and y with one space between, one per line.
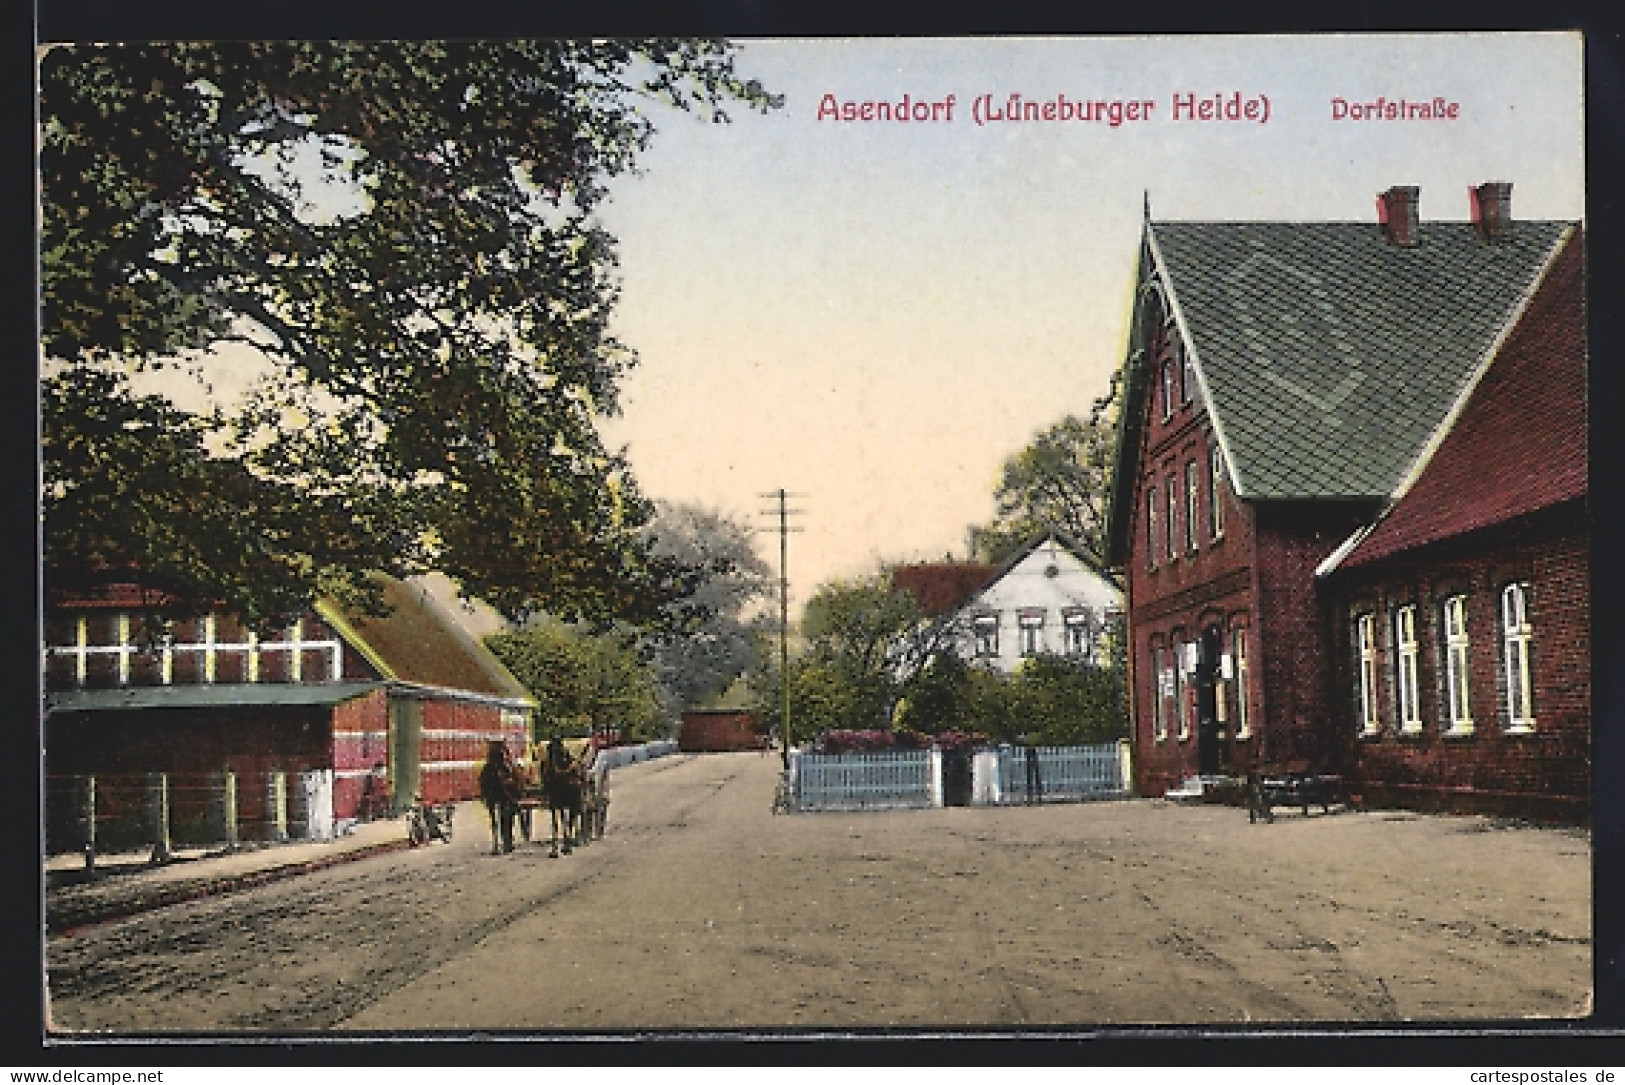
385 708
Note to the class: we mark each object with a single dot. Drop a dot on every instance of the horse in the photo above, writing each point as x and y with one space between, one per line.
499 790
563 783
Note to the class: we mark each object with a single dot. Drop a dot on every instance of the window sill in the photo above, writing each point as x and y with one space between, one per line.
1369 734
1520 730
1458 733
1411 732
1185 738
1243 736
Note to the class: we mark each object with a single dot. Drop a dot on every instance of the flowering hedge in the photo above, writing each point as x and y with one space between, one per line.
876 741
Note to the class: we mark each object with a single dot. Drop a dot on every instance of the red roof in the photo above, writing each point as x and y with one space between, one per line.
940 588
1520 444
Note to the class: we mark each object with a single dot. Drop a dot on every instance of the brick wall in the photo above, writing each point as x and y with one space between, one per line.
1193 590
1544 774
1294 538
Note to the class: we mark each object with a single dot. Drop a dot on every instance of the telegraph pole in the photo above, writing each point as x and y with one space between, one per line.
784 513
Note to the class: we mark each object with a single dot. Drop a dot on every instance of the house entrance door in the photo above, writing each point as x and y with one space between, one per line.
1211 748
956 777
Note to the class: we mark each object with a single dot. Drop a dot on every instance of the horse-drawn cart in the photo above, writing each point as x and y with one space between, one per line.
576 779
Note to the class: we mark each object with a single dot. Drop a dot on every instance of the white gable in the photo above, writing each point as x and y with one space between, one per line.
1032 604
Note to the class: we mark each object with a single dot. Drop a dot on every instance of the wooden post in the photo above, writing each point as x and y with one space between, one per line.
228 808
87 815
279 806
158 811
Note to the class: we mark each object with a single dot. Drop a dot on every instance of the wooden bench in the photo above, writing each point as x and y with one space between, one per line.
1293 784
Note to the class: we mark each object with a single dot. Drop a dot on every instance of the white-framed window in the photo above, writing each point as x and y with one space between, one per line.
1238 664
1078 630
1215 508
1192 507
1516 637
1172 490
1187 375
1031 627
1365 636
1182 652
1151 537
1167 390
1410 712
985 629
1162 694
1456 656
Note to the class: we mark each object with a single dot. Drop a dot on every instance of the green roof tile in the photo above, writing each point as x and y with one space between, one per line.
1330 356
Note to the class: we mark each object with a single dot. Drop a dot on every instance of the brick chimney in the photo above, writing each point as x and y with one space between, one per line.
1492 208
1397 214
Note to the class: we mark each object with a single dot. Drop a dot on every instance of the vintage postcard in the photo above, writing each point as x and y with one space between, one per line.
817 537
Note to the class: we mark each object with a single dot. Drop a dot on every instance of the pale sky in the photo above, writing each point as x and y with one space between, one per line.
876 314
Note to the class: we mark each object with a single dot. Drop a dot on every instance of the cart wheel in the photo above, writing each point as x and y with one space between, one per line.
415 834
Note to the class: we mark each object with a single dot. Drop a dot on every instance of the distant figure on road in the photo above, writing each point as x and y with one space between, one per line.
1035 784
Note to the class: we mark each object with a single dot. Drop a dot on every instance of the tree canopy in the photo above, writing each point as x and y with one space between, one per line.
404 231
1060 482
723 639
582 681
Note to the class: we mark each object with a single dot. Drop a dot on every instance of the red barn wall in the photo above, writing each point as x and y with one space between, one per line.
716 732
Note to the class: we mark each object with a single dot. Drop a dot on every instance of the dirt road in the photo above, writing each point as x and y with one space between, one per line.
703 910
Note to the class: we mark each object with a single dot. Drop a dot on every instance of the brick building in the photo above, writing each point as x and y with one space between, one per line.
1351 478
390 706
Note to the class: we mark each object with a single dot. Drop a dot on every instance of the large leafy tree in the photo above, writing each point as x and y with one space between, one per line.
853 633
403 232
583 679
723 636
1059 482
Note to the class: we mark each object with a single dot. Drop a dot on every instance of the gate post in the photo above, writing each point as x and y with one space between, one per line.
87 817
934 779
158 815
278 803
228 808
1125 766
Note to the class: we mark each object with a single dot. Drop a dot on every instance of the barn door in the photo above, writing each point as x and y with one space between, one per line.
405 744
1212 750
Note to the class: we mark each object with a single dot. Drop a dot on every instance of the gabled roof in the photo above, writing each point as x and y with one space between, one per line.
942 587
1519 444
1327 357
419 643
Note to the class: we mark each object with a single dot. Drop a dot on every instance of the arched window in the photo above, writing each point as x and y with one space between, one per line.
1410 711
1238 657
1456 654
1365 638
1516 637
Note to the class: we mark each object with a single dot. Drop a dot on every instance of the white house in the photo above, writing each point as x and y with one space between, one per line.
1044 599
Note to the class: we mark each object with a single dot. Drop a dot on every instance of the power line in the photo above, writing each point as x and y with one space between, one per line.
784 512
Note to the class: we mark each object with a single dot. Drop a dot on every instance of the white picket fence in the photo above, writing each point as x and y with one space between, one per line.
900 779
1063 773
865 781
